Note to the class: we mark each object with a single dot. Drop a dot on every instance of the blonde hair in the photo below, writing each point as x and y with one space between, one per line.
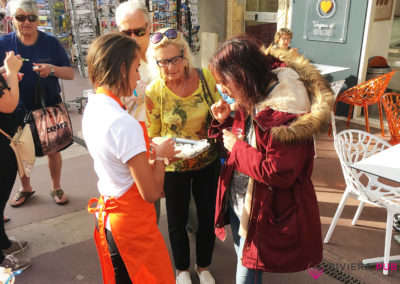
179 42
280 33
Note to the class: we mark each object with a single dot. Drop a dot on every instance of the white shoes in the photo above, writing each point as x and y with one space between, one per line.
183 278
205 277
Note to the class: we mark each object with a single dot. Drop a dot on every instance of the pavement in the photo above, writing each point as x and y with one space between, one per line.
60 237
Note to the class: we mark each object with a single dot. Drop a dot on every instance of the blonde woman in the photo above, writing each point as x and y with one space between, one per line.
176 106
282 40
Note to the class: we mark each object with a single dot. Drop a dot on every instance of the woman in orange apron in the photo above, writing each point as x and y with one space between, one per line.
130 246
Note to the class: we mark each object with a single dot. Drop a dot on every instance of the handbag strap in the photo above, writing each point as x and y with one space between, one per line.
5 134
206 91
39 95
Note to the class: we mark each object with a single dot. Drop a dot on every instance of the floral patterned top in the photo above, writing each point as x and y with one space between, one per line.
173 116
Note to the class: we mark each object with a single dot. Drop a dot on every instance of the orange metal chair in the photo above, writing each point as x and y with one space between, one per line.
391 105
365 94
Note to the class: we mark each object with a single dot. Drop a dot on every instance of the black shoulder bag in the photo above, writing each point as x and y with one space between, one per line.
210 101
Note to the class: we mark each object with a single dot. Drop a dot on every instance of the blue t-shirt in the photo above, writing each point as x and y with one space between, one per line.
47 49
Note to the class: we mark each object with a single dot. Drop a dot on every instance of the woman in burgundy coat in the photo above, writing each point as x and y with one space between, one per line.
265 190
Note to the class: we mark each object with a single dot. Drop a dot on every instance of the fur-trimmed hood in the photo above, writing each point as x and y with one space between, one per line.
319 92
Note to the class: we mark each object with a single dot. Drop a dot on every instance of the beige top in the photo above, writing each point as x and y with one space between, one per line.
295 98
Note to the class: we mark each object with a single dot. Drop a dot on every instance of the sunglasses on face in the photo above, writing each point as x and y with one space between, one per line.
173 60
137 32
22 18
158 36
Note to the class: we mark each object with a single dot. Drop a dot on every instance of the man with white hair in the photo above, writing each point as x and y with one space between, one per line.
134 20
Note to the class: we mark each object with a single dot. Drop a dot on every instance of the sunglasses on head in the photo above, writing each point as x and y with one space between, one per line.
137 32
22 18
158 36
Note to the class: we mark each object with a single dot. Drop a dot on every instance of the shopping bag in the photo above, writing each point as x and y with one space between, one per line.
50 125
24 149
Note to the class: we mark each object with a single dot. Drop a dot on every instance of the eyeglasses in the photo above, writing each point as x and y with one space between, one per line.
22 18
137 32
174 60
158 36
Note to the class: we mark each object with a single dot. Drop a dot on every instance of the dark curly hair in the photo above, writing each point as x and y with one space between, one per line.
241 60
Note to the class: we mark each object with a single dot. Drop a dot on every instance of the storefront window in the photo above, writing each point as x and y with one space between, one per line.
261 19
262 5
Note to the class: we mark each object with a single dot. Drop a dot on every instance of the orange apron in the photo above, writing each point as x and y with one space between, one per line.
136 234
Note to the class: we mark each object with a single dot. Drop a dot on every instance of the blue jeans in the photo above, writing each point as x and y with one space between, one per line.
244 275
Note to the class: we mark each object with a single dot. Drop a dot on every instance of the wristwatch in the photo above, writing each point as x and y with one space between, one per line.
52 72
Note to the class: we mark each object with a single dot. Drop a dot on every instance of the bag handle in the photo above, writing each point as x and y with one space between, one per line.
206 91
39 94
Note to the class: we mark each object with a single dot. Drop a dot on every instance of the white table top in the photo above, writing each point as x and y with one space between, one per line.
385 164
328 69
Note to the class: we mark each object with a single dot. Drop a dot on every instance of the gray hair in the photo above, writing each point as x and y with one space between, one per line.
129 7
28 6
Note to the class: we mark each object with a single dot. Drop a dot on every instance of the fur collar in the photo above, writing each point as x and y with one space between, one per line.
320 95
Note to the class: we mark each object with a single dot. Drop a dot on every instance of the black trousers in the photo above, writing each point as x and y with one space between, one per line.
8 173
177 186
121 274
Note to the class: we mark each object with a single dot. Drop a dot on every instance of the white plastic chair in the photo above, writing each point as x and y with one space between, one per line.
350 191
353 146
386 196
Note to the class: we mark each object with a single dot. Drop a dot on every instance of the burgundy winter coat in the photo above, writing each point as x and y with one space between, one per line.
284 230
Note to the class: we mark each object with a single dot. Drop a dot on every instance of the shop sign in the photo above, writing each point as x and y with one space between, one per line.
326 20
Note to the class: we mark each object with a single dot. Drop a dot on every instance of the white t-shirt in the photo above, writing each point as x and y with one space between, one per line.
113 137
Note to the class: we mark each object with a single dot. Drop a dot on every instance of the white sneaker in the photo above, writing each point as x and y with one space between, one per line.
205 277
183 278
